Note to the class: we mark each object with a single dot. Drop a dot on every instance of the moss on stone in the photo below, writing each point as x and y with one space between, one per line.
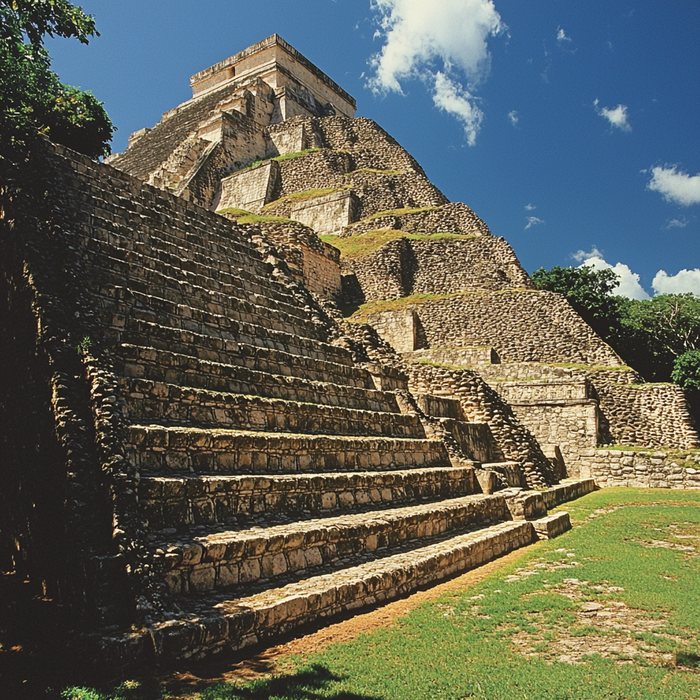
303 196
357 246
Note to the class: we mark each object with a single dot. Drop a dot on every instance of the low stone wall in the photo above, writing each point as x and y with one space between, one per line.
467 358
547 390
662 469
249 189
404 267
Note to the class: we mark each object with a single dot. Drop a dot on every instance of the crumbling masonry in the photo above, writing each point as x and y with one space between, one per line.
200 452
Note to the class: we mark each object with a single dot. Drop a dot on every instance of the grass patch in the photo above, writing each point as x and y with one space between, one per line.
243 216
607 611
234 211
302 196
592 368
286 156
360 316
357 246
401 212
374 170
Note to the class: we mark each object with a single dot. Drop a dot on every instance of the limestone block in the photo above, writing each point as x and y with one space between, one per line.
552 525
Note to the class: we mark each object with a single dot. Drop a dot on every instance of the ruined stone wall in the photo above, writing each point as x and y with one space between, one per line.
559 413
55 510
521 326
481 404
326 214
651 415
317 170
386 191
404 267
311 261
641 469
448 218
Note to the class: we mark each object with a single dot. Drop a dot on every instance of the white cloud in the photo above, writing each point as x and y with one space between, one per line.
530 207
561 35
675 186
678 223
514 117
533 221
452 98
629 281
680 283
617 116
444 44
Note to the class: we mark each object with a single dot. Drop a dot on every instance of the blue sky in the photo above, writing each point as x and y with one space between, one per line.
572 127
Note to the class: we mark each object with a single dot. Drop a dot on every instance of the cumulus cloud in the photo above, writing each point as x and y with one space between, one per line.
675 185
680 283
530 207
514 117
533 221
444 44
617 116
629 281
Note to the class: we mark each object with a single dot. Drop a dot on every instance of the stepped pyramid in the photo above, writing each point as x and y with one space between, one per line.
202 452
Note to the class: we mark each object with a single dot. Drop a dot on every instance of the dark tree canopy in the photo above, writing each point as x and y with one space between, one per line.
34 101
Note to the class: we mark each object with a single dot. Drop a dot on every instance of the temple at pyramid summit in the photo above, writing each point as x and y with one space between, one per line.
260 372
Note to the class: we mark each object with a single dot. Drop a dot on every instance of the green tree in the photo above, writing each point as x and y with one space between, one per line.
34 101
589 291
686 371
656 332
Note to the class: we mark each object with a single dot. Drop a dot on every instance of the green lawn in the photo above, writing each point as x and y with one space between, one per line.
609 610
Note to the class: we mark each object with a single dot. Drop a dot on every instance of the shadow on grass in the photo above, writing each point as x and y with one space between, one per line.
309 683
312 682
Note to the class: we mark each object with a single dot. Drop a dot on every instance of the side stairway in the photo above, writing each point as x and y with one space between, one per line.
277 481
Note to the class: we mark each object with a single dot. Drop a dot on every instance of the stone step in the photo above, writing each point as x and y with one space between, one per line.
199 239
114 270
137 331
231 557
239 260
169 403
241 356
241 380
183 500
215 622
151 308
162 287
195 305
168 449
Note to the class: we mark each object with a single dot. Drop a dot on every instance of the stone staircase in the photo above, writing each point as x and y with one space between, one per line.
254 476
277 484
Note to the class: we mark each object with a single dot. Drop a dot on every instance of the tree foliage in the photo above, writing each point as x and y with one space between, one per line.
686 371
648 335
589 291
34 101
